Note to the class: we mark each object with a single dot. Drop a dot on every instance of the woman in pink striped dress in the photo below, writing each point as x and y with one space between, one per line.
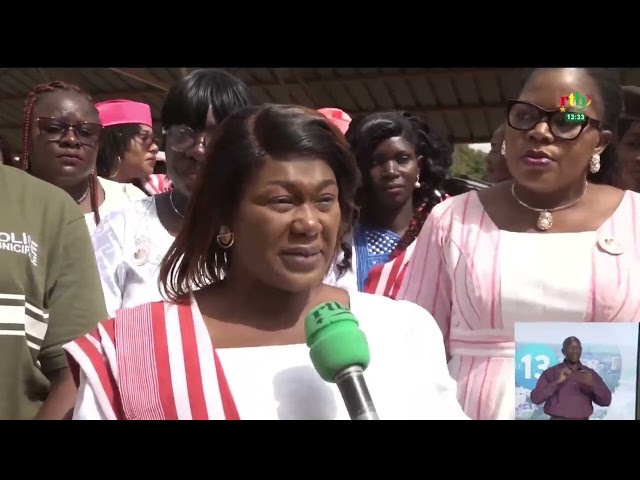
558 243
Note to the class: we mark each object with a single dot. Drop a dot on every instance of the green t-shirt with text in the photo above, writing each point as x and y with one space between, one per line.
50 291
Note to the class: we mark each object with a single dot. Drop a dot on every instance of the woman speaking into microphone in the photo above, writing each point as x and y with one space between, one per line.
264 225
557 243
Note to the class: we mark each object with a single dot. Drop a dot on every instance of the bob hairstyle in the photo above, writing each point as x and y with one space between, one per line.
241 144
189 100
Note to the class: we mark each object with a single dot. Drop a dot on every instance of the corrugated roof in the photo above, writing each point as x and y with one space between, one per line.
464 105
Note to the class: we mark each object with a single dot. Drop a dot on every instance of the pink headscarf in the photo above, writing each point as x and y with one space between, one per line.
338 117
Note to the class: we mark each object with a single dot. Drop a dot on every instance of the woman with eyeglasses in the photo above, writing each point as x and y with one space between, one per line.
131 243
557 243
128 147
62 130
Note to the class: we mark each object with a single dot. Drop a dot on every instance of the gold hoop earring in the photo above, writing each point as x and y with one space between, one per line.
594 164
220 266
225 238
117 169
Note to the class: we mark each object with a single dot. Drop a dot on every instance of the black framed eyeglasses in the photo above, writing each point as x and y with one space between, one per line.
524 116
182 138
148 139
54 129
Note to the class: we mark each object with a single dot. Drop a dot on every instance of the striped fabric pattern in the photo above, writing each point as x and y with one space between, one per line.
154 362
20 318
158 183
386 279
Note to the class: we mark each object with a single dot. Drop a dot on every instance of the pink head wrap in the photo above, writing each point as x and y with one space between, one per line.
118 112
338 117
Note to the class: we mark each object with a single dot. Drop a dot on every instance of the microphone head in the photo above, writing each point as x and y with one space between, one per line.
335 340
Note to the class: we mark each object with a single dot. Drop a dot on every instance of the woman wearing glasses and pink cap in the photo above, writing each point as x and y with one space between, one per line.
128 147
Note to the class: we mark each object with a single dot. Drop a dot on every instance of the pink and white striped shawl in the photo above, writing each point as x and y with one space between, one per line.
154 362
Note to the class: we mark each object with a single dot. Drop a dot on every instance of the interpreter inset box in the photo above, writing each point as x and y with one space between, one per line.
576 371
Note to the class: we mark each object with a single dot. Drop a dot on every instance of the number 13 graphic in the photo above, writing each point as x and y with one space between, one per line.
531 361
541 364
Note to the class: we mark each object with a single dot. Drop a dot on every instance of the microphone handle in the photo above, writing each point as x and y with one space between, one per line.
355 394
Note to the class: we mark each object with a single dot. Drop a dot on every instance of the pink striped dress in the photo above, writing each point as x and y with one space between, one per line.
477 281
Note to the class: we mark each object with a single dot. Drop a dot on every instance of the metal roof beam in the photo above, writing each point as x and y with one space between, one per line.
428 74
438 109
66 75
140 75
97 97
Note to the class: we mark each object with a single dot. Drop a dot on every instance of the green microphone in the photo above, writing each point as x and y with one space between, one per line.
340 354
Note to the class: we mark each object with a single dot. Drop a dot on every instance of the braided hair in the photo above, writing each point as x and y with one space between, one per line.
25 164
366 133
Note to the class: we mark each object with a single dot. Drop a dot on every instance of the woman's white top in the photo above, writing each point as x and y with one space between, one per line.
116 196
407 377
130 245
